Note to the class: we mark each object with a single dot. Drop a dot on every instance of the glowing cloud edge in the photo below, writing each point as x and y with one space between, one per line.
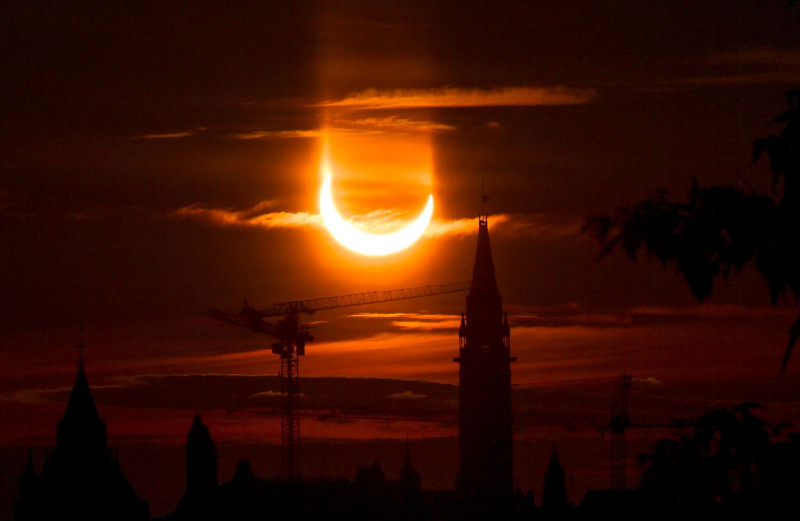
361 241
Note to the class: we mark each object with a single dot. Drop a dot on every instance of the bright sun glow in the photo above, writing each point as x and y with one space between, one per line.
361 241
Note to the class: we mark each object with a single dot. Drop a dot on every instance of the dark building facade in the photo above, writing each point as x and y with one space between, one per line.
371 496
485 429
81 478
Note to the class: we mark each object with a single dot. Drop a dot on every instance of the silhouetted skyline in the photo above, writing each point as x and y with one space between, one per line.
156 161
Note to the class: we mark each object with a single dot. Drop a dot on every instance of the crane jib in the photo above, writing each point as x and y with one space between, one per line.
357 299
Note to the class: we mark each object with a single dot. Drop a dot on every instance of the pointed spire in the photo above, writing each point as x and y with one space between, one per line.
483 277
409 476
484 200
80 399
81 425
80 347
201 459
81 403
27 483
198 427
554 491
555 464
30 471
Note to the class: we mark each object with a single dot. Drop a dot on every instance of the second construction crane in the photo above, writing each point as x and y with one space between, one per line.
292 337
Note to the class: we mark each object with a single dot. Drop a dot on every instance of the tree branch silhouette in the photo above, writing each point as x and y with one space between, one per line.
718 230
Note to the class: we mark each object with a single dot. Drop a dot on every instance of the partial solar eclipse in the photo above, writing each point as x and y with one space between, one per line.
368 243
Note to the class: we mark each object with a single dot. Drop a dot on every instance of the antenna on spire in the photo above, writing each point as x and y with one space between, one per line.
484 199
80 346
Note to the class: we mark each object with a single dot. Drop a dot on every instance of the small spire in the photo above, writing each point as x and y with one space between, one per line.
28 480
408 475
81 425
554 490
484 199
483 277
80 347
30 470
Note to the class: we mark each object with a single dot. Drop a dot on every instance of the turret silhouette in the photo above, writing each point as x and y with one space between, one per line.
554 491
201 472
410 478
201 459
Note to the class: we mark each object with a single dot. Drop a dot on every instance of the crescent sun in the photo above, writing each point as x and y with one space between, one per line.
369 243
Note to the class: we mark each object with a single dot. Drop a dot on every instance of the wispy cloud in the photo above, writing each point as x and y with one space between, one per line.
751 65
382 221
171 135
397 124
407 395
459 97
788 58
540 225
416 316
714 311
282 134
342 125
426 325
555 318
743 79
249 218
648 380
416 321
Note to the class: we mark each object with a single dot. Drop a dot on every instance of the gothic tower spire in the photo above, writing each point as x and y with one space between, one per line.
409 477
485 438
81 478
81 430
554 491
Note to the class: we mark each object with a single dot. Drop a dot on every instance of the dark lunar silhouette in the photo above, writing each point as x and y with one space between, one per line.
81 479
485 474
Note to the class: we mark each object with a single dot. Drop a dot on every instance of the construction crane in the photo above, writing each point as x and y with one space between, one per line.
292 338
619 422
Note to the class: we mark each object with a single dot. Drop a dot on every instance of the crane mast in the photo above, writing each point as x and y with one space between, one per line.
292 337
620 421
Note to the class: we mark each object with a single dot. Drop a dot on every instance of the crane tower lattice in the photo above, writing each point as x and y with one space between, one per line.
292 337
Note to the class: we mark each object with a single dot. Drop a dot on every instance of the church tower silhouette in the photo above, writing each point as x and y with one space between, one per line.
81 478
201 460
485 473
201 472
